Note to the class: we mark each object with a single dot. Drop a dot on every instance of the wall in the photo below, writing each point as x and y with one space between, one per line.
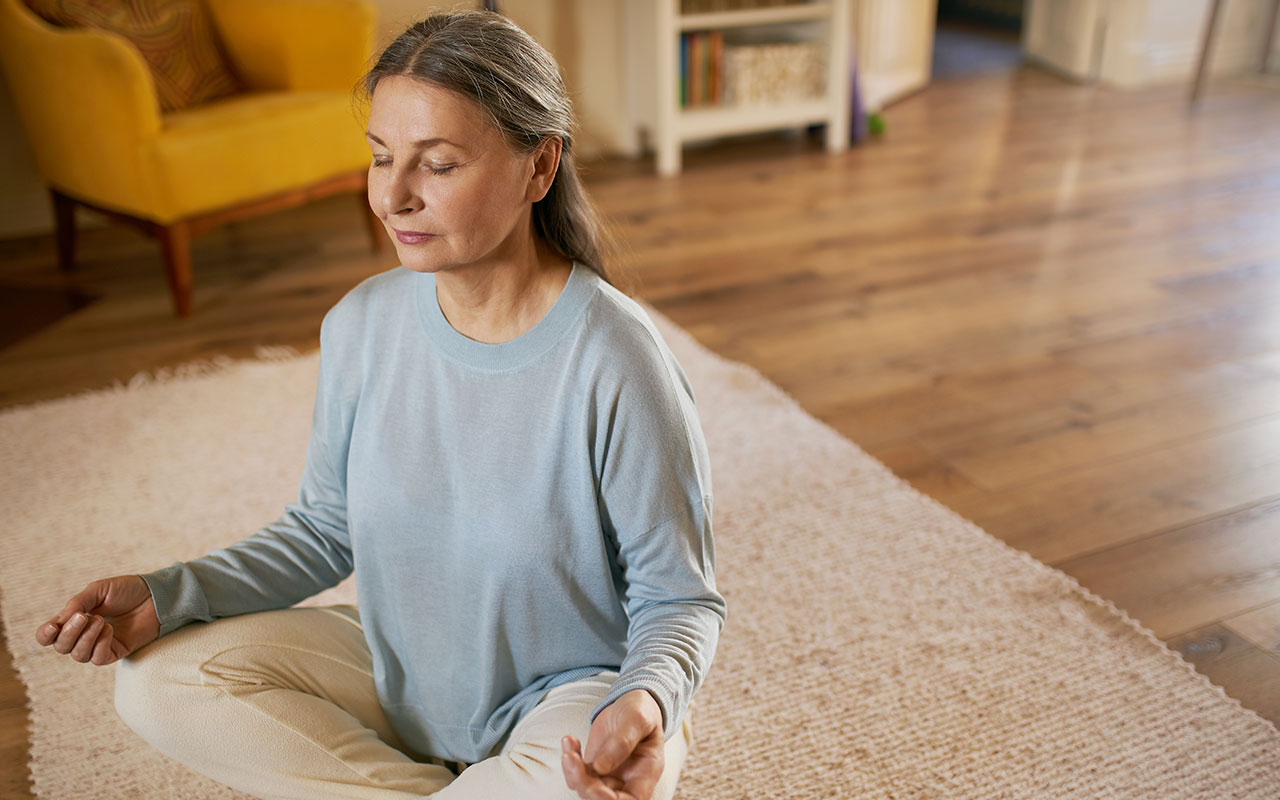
1134 43
893 43
1161 44
1063 35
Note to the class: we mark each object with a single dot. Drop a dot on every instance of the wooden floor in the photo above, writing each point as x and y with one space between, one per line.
1052 307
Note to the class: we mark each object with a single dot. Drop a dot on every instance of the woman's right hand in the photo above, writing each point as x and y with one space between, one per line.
108 620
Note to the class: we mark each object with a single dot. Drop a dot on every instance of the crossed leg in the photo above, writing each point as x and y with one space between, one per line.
281 704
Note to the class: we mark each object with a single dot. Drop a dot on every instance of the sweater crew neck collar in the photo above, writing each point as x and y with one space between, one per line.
514 352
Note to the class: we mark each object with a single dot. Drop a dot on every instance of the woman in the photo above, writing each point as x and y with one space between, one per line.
506 454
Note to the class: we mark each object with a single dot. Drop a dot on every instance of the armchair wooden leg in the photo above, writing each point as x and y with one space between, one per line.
377 233
64 215
175 241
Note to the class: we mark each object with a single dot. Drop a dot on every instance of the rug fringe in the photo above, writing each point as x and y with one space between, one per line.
276 352
169 374
189 370
203 367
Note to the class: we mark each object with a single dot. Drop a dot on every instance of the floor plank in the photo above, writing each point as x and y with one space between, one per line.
14 752
1244 671
1260 627
1187 578
1091 429
1123 499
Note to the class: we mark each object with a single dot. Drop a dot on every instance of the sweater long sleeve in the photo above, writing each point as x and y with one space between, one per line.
518 515
302 553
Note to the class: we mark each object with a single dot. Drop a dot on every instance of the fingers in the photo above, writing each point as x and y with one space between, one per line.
581 778
70 632
617 748
83 637
103 652
52 630
47 632
87 638
644 769
641 783
613 753
82 650
83 602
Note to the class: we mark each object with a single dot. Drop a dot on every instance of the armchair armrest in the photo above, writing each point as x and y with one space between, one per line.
296 44
85 98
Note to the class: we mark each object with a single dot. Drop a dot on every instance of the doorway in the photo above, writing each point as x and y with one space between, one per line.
976 37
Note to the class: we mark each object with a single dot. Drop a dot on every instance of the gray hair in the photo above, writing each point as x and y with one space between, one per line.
489 60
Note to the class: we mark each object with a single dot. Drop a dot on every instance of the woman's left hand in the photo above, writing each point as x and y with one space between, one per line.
625 750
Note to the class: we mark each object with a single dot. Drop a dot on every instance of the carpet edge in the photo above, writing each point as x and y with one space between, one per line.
183 372
28 706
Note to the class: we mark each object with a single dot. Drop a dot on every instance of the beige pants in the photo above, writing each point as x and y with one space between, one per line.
281 704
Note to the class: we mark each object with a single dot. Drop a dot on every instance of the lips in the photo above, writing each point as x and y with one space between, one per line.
412 237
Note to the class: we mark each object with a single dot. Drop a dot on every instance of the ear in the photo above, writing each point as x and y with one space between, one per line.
546 160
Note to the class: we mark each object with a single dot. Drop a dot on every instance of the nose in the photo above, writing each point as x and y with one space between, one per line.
396 195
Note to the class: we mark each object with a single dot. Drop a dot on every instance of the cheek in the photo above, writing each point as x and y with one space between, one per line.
493 203
462 207
374 193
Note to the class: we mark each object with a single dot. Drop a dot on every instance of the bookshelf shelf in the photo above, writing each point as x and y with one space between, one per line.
678 124
698 123
754 16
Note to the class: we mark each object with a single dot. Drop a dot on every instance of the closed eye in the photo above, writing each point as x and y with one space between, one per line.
434 170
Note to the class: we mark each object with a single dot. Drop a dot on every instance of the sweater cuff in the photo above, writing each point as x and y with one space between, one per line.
668 702
178 596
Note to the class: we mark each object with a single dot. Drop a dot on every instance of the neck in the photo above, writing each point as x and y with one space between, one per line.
498 300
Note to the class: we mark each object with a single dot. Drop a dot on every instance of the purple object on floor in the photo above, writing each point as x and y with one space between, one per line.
858 116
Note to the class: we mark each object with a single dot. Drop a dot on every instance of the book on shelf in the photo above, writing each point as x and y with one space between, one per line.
695 70
701 69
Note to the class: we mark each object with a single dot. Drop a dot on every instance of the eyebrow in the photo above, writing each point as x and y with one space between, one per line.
420 143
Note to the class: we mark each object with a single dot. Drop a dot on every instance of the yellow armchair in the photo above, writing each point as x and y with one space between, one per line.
88 105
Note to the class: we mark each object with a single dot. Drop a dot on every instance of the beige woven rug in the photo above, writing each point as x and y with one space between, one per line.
878 645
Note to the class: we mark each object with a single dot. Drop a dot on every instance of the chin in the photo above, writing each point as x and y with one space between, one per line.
415 262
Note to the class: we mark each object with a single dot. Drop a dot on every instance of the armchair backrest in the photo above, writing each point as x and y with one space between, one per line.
296 45
85 98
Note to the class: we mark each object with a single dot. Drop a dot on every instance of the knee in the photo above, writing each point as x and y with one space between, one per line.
149 695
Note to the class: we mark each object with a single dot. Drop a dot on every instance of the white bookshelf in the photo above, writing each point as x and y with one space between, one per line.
676 125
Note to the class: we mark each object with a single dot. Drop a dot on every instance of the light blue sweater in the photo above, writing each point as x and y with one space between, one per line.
518 515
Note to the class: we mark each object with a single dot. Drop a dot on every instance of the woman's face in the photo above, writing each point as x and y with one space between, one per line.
440 167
